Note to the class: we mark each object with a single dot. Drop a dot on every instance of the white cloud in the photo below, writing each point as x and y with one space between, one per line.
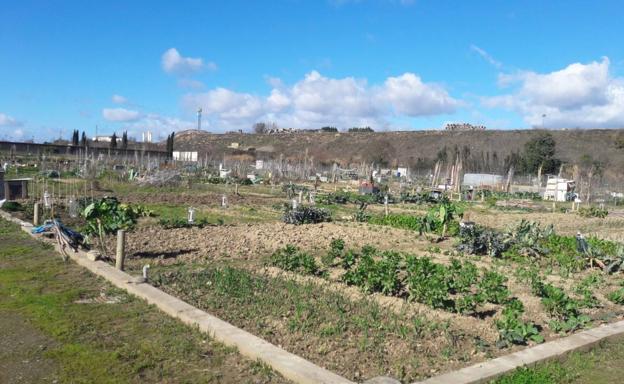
120 114
190 83
486 56
8 121
159 125
579 95
173 62
118 99
410 96
317 100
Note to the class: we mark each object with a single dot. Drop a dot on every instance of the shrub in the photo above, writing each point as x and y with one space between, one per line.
170 223
478 240
306 215
426 282
564 309
402 221
376 276
291 258
461 277
511 328
11 206
492 287
593 212
336 248
617 296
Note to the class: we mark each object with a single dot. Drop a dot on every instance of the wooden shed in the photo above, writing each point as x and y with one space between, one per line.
16 189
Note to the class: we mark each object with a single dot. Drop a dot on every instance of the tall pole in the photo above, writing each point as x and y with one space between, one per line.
199 112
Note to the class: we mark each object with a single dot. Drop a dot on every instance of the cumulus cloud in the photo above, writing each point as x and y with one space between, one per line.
8 121
579 95
118 99
410 96
173 62
317 100
120 114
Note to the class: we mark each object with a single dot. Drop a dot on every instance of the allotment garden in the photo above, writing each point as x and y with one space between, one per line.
407 286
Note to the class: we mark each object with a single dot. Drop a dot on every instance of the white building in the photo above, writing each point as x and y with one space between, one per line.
185 156
105 139
559 189
146 137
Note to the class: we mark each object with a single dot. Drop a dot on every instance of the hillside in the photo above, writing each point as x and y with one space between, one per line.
487 150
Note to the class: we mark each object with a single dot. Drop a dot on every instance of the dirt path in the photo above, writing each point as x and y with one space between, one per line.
22 352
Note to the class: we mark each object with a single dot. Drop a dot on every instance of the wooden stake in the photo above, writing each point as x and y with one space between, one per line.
119 257
36 214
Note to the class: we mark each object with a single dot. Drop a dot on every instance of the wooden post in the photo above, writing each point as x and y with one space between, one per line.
119 257
386 204
36 214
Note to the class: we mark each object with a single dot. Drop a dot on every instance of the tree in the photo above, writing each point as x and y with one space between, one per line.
83 141
75 137
260 128
329 129
124 140
113 142
361 129
169 144
540 151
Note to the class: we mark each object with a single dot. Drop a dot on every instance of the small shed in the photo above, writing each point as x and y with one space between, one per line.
560 189
16 189
367 188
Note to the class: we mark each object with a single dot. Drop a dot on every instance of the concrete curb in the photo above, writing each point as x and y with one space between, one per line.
552 350
289 365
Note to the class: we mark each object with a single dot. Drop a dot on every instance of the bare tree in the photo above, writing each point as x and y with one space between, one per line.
260 128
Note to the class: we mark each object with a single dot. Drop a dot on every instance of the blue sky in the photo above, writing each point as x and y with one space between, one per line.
390 64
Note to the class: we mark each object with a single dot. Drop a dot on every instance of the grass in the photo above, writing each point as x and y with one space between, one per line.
125 342
601 365
345 335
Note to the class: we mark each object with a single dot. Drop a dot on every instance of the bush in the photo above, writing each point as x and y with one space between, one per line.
306 215
426 282
617 296
478 240
414 223
461 277
492 287
12 206
182 223
511 328
564 309
371 275
291 258
336 248
593 212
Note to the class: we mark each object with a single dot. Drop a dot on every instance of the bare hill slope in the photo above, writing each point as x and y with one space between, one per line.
417 149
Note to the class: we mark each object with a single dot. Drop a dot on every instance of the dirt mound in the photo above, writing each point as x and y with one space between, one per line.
253 241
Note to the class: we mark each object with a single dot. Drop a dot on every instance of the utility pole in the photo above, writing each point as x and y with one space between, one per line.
199 112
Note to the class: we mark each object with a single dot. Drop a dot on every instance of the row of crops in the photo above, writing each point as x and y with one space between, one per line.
531 242
461 287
